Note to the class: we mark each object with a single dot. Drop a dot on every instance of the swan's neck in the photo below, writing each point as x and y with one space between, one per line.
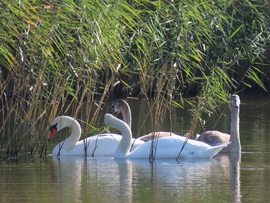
124 147
235 134
74 136
126 113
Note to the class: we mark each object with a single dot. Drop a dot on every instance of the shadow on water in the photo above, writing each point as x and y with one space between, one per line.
121 180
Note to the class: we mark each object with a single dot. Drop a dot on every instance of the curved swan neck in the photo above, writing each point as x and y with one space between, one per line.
125 143
75 134
126 113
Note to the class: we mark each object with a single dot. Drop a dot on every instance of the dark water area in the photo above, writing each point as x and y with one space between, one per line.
241 177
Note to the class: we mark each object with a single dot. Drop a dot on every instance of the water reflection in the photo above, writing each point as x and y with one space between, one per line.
233 160
109 180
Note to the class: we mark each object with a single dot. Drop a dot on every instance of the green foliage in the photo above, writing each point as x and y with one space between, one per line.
55 56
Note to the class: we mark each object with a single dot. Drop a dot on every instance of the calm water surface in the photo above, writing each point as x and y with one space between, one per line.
225 178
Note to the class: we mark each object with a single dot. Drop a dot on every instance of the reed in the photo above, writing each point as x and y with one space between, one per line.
57 57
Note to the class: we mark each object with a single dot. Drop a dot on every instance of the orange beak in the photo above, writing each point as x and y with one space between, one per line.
52 133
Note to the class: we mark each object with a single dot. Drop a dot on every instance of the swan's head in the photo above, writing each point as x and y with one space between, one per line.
234 101
117 106
59 123
109 119
53 131
114 122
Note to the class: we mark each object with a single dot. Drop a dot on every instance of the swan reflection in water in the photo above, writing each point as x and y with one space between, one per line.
110 180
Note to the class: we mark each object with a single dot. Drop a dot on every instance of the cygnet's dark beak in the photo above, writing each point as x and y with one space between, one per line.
111 109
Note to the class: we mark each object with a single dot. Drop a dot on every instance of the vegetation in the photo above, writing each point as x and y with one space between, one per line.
58 56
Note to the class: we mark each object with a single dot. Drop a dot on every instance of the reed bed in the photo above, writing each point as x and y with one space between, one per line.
56 57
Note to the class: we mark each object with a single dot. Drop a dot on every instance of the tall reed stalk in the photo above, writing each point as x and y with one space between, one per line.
59 56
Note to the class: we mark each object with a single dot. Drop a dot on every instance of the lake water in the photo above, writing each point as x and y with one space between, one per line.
241 177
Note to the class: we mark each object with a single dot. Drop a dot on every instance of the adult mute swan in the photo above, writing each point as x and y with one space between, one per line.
166 147
98 145
121 106
216 138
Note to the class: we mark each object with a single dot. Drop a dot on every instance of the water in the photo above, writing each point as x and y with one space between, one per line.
243 178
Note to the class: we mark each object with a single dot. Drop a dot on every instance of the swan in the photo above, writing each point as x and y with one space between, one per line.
98 145
121 106
212 137
216 138
166 147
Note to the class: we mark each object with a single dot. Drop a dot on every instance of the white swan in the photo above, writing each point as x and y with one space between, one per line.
121 106
216 138
212 137
99 145
166 148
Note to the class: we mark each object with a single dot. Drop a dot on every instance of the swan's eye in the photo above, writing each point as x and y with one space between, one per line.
54 127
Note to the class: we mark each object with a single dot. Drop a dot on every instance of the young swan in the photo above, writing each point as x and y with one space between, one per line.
166 147
121 106
214 138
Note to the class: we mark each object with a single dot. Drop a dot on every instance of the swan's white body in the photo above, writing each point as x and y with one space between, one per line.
214 138
166 147
98 145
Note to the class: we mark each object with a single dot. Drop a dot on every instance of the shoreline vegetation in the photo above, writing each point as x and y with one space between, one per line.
56 57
